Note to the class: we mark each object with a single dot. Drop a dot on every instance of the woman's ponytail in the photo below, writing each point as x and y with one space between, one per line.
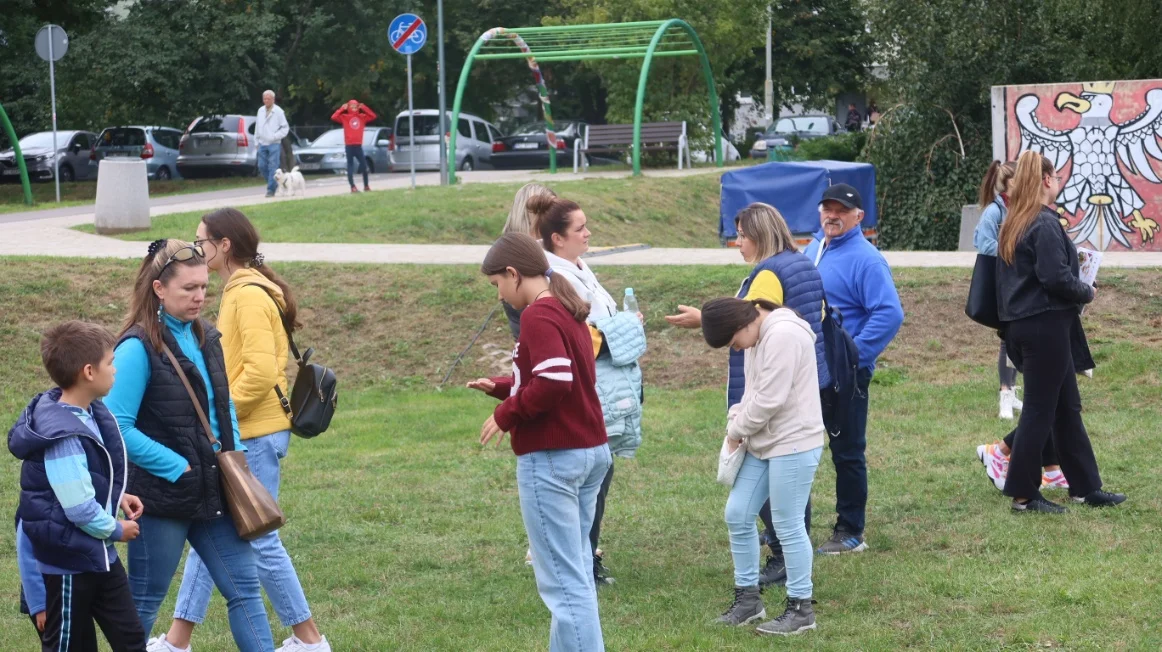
987 194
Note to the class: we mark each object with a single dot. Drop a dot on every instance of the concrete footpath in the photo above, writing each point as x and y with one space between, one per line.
54 237
50 233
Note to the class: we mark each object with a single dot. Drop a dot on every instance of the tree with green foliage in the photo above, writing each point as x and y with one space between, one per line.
24 87
933 143
820 49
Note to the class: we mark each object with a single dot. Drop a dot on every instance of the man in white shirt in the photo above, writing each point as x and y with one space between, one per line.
270 129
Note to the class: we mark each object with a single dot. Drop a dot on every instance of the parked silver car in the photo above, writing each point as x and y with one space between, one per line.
221 145
72 150
328 153
473 141
157 146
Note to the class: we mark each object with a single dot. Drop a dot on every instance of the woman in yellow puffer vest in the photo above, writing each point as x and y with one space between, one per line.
257 309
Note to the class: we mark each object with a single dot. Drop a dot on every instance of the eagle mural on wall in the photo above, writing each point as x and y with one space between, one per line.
1104 205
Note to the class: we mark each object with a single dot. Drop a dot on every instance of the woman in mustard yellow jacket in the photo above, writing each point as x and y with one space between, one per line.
257 309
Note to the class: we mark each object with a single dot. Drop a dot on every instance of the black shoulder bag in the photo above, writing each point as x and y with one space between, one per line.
981 306
315 395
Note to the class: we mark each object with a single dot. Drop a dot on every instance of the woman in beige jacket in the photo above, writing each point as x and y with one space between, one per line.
779 423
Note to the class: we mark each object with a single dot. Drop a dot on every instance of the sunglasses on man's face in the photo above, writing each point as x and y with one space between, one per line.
182 255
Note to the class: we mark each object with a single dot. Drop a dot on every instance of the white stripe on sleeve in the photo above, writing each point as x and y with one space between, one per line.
564 377
553 362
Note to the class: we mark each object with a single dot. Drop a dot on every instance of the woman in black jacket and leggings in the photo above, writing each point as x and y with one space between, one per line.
1039 297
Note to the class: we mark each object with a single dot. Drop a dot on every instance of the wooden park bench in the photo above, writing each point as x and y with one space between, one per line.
608 139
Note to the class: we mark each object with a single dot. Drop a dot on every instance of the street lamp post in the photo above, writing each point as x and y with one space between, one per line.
769 86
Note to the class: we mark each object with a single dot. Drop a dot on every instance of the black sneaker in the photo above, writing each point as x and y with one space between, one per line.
1039 504
774 573
601 576
1101 498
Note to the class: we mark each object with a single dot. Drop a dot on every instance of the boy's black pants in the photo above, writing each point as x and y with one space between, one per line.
73 602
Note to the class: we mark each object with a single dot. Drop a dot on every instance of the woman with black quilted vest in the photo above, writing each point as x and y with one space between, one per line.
173 463
258 308
786 277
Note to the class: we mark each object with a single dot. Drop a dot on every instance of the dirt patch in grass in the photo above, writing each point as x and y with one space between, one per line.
938 344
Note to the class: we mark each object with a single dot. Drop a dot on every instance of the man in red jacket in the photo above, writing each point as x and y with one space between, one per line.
354 116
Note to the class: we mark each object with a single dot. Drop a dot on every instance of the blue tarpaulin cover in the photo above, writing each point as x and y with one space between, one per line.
794 189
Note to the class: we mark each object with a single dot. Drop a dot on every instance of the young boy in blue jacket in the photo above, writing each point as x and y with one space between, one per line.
72 482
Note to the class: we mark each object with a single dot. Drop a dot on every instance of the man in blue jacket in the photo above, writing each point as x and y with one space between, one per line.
858 284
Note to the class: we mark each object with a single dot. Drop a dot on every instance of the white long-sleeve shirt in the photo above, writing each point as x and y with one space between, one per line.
272 126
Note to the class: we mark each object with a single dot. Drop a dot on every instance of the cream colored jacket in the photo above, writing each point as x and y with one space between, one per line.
779 413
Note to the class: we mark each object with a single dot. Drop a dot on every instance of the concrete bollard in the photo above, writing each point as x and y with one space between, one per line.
122 197
969 218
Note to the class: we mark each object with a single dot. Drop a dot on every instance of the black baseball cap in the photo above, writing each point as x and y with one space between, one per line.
844 194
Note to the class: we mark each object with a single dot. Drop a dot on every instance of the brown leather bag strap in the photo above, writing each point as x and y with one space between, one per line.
189 388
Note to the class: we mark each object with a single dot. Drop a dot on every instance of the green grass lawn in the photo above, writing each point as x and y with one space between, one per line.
663 212
407 536
78 193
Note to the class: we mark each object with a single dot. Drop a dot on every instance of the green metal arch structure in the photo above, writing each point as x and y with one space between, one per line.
19 156
640 40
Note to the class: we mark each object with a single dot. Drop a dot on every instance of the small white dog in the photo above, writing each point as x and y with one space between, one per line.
290 183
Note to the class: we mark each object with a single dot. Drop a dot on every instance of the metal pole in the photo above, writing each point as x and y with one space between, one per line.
441 91
769 86
411 124
56 159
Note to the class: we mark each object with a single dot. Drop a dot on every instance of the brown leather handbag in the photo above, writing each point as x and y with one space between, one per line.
254 510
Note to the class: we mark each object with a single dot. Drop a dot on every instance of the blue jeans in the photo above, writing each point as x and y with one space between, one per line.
786 480
230 562
355 155
268 158
558 493
275 570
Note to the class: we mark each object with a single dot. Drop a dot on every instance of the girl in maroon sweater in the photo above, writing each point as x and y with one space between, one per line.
551 410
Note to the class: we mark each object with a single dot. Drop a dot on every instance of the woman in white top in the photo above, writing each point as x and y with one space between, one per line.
780 423
618 341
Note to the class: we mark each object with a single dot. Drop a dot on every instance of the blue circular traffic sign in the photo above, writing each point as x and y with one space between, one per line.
407 33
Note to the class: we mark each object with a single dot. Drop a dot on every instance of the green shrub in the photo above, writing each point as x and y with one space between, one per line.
843 147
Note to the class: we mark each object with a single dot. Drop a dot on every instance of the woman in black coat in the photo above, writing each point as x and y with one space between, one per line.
1039 298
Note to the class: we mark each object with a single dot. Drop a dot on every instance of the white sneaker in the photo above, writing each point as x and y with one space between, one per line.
1018 404
293 644
996 464
1006 398
1088 373
159 644
529 557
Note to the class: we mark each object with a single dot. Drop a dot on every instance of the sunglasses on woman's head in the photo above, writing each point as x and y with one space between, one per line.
182 255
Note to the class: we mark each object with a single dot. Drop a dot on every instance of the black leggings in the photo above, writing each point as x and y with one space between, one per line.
1052 408
599 512
1006 374
1048 455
